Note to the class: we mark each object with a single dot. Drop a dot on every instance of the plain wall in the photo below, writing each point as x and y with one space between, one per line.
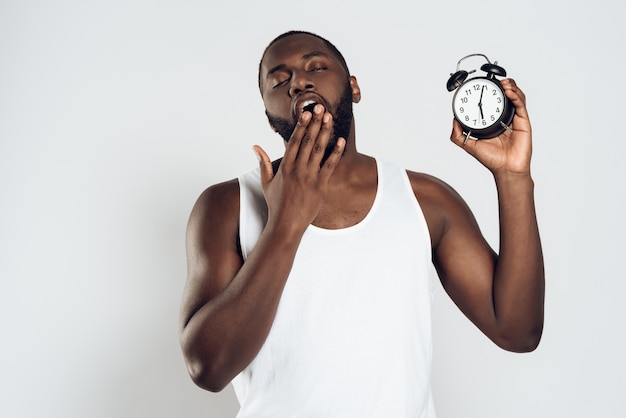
115 115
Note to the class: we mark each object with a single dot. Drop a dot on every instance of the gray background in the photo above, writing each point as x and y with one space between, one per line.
115 115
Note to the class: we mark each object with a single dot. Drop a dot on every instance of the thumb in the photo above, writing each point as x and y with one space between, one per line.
457 136
461 139
267 172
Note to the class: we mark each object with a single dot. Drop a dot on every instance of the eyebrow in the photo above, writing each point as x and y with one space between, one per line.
306 56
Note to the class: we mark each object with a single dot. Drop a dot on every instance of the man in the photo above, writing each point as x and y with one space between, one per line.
308 278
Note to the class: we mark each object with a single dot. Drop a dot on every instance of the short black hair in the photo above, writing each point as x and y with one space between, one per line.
328 44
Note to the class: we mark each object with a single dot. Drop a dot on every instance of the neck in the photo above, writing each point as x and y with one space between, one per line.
350 159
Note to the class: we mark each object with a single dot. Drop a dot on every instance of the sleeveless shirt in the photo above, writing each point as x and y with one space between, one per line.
352 332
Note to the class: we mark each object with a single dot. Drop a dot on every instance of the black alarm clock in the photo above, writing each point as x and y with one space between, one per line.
479 103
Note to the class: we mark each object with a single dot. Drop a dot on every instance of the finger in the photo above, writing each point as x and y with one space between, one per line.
457 136
333 159
265 163
516 96
311 134
511 84
319 148
293 145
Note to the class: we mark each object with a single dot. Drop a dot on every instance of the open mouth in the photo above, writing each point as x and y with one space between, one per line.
309 105
306 103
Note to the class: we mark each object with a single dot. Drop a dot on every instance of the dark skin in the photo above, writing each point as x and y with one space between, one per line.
229 305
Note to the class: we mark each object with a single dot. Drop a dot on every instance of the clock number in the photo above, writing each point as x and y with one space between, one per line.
491 110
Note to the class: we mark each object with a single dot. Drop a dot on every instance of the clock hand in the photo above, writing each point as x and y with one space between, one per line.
480 103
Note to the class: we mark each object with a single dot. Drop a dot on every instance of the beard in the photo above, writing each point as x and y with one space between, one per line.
342 122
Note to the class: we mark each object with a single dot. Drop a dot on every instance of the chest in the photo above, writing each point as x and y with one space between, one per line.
346 208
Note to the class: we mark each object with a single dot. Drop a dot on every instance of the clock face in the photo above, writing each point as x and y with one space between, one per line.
479 105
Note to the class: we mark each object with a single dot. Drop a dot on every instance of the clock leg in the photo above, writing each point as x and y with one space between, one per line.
507 127
467 137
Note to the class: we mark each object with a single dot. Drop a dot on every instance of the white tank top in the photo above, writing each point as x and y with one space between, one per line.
352 333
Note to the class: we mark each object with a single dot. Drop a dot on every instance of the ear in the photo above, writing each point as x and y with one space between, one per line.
356 90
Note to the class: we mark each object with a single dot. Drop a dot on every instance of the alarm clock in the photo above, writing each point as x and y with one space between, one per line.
479 103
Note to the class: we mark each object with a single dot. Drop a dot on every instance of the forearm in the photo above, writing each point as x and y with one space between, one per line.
226 333
518 288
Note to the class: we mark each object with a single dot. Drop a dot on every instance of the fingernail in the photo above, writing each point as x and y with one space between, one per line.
256 152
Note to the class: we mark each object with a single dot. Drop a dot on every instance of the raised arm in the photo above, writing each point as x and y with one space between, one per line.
502 294
229 305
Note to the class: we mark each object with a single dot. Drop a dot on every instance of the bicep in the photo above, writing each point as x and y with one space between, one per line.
466 264
464 260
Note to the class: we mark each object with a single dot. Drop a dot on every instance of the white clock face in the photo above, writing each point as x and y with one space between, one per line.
478 104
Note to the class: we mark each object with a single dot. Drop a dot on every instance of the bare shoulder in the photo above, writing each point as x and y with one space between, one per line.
220 199
428 186
215 213
214 218
440 203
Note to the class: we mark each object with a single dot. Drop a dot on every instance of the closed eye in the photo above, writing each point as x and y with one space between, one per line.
280 83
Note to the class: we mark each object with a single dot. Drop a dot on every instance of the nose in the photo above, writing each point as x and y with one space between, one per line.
300 82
